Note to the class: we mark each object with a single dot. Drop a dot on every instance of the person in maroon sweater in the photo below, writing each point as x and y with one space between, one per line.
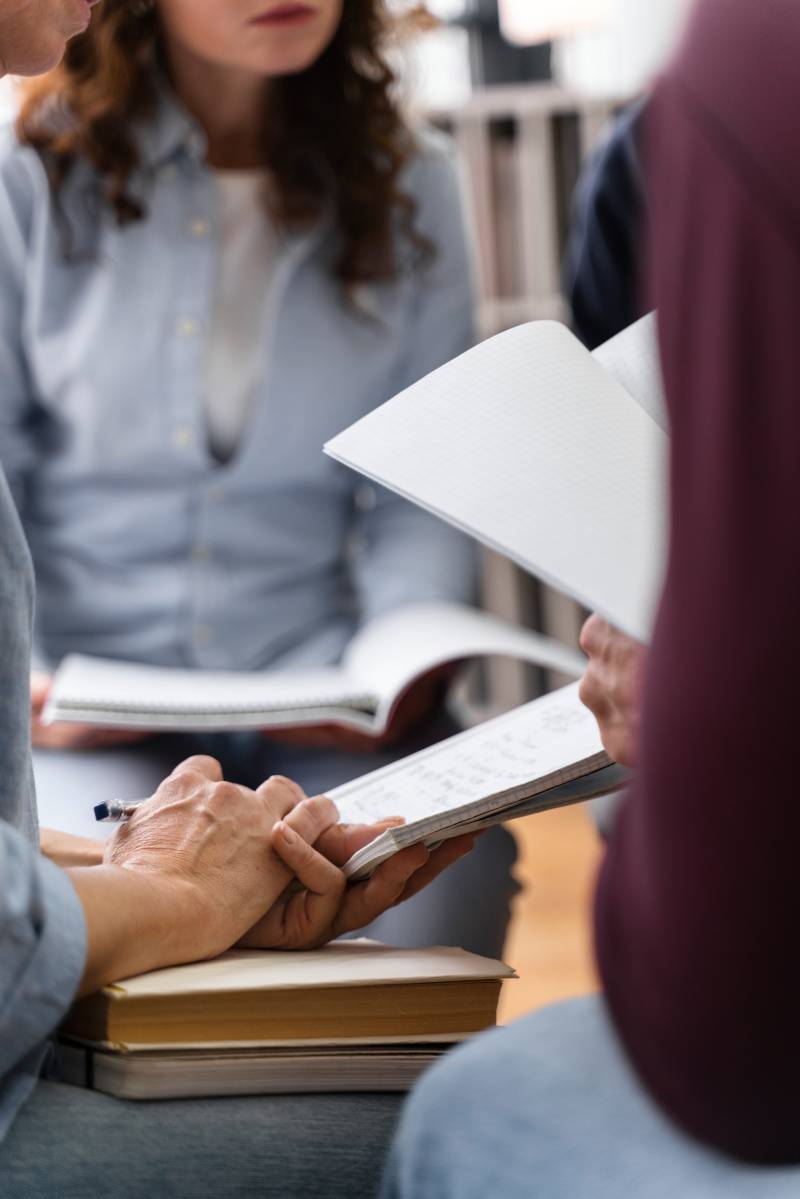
685 1079
699 893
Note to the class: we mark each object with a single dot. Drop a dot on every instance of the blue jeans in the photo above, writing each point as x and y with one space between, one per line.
468 905
548 1108
68 1143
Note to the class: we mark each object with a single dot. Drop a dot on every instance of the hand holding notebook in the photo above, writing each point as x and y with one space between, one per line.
556 457
542 755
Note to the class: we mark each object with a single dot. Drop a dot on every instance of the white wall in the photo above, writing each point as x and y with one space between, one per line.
624 57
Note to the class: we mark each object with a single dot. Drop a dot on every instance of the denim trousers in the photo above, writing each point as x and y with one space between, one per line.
67 1143
549 1108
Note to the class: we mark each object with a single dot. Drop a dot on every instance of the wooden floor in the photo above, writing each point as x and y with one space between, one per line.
549 944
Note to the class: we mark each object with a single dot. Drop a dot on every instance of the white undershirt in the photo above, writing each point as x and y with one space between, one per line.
247 250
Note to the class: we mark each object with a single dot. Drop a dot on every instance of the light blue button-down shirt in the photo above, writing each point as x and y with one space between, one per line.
145 547
42 930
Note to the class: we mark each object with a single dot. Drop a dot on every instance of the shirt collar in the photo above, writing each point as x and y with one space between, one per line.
170 132
173 132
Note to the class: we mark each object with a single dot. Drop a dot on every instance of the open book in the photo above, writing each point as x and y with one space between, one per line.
381 664
542 755
550 454
355 1015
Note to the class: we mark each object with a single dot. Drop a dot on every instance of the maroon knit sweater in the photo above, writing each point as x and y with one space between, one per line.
699 898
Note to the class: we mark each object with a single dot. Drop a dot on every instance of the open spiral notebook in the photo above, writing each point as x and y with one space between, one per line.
380 665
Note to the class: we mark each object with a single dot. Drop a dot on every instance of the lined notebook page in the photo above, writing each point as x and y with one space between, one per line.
632 358
528 444
547 737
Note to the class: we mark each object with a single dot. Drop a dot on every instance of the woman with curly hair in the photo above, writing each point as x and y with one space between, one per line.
226 245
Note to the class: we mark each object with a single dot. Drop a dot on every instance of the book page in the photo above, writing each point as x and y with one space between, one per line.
632 358
527 443
393 650
548 735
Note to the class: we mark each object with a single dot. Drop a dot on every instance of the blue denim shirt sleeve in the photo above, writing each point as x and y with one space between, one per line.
42 929
407 554
42 952
15 408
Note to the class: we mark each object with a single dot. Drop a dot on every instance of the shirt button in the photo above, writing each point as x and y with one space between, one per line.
187 326
199 227
169 170
202 634
217 492
183 436
201 553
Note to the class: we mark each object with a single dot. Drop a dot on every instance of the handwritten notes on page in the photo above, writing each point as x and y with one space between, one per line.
545 740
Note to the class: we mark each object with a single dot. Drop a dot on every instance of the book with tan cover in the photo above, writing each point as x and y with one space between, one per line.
348 992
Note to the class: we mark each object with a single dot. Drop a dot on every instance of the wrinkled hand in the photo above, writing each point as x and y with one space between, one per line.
611 686
321 905
417 703
65 734
206 844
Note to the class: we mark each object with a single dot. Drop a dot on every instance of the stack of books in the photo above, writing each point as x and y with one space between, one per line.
354 1016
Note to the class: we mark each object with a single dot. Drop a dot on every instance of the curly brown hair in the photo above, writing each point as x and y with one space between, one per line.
335 134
